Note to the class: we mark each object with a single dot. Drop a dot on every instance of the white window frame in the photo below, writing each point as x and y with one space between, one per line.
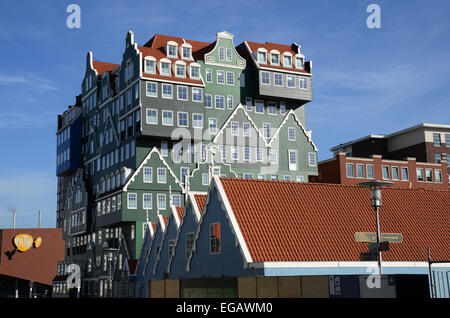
199 93
129 195
147 117
156 90
158 178
178 119
143 201
162 91
151 175
158 196
262 77
179 88
194 121
162 117
293 166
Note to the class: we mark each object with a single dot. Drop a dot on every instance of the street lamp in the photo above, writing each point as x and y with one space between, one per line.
375 199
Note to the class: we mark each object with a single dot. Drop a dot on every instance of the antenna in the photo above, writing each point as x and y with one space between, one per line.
39 219
13 211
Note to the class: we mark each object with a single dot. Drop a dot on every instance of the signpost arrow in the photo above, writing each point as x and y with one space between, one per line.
369 237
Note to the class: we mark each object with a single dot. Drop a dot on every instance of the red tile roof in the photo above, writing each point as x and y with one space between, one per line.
101 67
180 211
293 221
279 47
200 199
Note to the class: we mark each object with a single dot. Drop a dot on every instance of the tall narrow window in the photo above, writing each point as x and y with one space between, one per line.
350 171
292 160
214 238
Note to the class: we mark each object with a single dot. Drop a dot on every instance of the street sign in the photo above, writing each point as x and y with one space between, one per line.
368 257
368 237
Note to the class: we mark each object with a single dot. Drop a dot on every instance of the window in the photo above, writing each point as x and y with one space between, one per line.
184 171
180 70
247 154
182 93
360 171
220 77
187 52
147 201
272 108
287 178
405 174
132 201
214 238
197 94
265 78
234 128
230 102
395 173
212 126
429 175
189 243
220 102
230 78
208 100
208 75
221 54
447 140
149 66
176 200
164 149
182 119
162 175
148 175
228 54
197 120
437 175
292 160
152 116
278 79
266 130
172 51
259 107
369 169
195 72
287 61
234 153
437 140
303 82
161 201
300 179
299 63
312 159
291 133
275 58
350 172
165 68
274 177
246 129
241 80
259 154
273 156
167 117
205 178
262 57
419 172
290 79
248 103
385 170
167 91
437 157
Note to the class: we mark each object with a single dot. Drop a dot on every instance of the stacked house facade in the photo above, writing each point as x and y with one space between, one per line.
174 113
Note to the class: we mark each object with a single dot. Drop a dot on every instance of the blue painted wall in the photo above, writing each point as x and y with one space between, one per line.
140 275
228 263
189 224
74 143
148 272
163 261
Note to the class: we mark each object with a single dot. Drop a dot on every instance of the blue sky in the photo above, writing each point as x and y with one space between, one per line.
364 80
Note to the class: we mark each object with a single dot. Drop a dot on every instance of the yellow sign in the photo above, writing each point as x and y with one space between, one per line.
23 242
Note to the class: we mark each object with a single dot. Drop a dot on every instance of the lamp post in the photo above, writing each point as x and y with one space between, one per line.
375 199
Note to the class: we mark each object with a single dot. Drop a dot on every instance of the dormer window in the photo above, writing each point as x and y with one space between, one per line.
195 71
186 51
299 63
287 61
262 57
180 70
172 49
164 67
150 65
275 57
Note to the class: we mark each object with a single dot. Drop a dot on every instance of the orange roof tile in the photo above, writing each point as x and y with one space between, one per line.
293 221
101 67
200 199
279 47
180 211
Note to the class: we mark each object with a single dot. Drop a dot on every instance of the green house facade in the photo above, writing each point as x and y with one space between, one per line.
161 123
